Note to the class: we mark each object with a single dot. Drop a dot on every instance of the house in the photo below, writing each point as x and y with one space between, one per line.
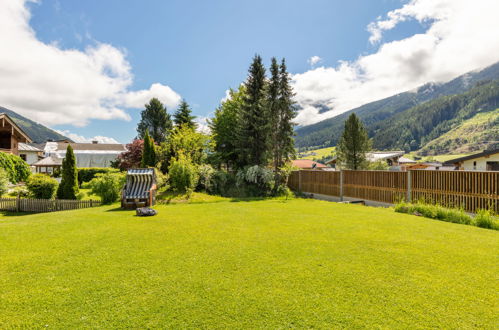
484 161
93 154
429 166
307 164
11 135
29 153
393 159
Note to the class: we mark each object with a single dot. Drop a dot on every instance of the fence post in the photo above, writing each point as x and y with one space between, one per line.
341 185
409 186
18 203
299 180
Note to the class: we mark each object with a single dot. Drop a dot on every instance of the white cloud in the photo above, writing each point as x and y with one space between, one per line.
461 36
314 60
202 124
64 86
81 139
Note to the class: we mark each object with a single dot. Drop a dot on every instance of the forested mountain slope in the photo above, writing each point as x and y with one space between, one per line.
327 132
37 132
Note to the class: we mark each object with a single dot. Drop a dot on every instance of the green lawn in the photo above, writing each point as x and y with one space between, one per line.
316 153
246 264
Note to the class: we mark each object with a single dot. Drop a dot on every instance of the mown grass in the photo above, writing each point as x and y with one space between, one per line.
247 264
316 153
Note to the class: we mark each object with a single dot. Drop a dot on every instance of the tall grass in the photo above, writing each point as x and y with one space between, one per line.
483 218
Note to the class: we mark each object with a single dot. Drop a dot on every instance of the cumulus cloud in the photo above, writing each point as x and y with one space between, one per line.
65 86
81 139
314 60
461 36
202 124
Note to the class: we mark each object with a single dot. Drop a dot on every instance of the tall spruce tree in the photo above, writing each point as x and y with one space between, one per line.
68 188
354 144
183 117
287 112
273 109
148 153
155 120
253 123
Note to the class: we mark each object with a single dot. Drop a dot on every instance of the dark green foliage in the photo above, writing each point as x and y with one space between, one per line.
183 117
274 112
21 168
148 153
378 113
42 186
253 121
155 120
108 186
68 188
4 181
354 144
86 174
224 129
17 169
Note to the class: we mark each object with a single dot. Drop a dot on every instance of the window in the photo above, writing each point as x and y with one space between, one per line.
23 157
474 165
492 166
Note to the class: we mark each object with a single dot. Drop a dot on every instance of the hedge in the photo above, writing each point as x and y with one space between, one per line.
16 168
86 174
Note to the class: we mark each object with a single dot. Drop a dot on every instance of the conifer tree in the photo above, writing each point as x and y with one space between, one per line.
155 120
183 117
273 108
253 123
354 144
148 153
287 112
68 188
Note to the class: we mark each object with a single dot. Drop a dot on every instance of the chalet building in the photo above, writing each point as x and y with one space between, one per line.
394 159
29 153
483 161
87 154
11 135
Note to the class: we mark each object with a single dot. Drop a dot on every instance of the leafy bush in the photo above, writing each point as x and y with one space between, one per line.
183 174
16 168
22 169
161 179
86 174
206 178
42 186
484 219
21 191
107 186
68 188
256 180
4 181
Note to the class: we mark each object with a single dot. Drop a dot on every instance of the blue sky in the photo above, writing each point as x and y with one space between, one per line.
201 48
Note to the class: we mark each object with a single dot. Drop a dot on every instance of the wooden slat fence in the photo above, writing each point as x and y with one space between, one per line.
470 190
44 205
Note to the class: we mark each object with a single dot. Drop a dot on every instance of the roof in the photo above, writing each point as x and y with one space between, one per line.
13 123
478 155
58 147
140 171
28 147
48 161
307 163
405 160
381 155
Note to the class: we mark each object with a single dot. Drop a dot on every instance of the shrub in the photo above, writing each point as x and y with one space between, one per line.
206 178
4 181
22 169
86 174
484 219
107 186
161 179
223 183
256 180
183 174
42 186
21 191
8 165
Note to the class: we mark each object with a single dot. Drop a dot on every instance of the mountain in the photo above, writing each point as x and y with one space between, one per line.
327 132
481 132
412 129
37 132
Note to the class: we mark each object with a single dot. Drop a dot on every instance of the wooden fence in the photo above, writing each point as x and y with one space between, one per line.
44 205
470 190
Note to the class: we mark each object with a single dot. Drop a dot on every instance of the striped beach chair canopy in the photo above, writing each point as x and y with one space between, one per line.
139 182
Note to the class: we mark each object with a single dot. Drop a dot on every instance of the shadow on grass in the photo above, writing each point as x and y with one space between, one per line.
17 214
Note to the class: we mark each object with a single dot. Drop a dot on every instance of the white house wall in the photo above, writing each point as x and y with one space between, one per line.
481 163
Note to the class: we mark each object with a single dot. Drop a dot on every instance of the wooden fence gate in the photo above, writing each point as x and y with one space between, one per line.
471 190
